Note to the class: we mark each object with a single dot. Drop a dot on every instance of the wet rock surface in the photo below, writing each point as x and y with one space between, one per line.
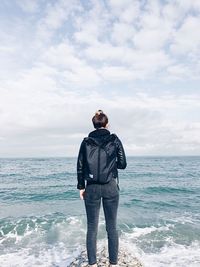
125 259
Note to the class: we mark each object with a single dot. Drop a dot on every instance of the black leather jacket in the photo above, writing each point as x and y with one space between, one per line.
116 161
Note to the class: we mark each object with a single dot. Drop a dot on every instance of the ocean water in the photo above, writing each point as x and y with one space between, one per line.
43 222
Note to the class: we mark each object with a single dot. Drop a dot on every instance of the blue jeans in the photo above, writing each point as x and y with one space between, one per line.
109 193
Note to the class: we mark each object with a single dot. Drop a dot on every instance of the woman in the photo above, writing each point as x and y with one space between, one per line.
100 156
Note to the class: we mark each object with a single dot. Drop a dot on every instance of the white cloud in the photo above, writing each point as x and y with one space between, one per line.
119 4
28 5
6 49
72 69
62 56
130 13
69 58
187 38
35 112
187 5
117 74
149 40
179 71
98 38
54 16
88 35
122 33
92 25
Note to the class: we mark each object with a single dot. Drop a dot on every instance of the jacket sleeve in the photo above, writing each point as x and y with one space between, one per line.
80 167
121 157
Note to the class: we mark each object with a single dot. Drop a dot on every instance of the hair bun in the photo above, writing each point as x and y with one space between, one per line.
98 112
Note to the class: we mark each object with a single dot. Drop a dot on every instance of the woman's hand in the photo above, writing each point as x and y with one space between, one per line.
82 192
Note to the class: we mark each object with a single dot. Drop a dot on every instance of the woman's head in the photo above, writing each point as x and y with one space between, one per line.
100 119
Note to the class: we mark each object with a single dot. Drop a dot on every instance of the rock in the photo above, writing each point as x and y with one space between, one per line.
125 259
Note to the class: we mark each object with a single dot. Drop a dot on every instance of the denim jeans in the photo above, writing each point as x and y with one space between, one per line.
109 194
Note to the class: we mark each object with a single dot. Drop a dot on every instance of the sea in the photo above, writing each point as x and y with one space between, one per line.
43 220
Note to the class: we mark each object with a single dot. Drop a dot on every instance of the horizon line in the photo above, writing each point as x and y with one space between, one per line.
128 156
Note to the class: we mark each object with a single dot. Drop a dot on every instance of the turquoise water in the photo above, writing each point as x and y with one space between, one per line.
42 219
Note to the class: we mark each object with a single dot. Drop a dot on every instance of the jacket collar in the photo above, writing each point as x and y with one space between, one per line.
99 132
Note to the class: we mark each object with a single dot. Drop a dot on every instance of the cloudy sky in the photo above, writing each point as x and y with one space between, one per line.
61 60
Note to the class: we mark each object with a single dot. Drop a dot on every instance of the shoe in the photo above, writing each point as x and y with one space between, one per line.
112 265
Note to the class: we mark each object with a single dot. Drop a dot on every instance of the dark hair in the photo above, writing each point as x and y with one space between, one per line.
100 119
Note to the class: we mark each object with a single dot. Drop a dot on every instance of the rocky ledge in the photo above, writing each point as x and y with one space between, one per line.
124 260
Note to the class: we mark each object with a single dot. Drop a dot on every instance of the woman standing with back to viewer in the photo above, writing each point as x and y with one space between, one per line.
100 156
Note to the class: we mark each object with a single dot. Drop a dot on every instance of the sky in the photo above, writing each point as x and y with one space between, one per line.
138 61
